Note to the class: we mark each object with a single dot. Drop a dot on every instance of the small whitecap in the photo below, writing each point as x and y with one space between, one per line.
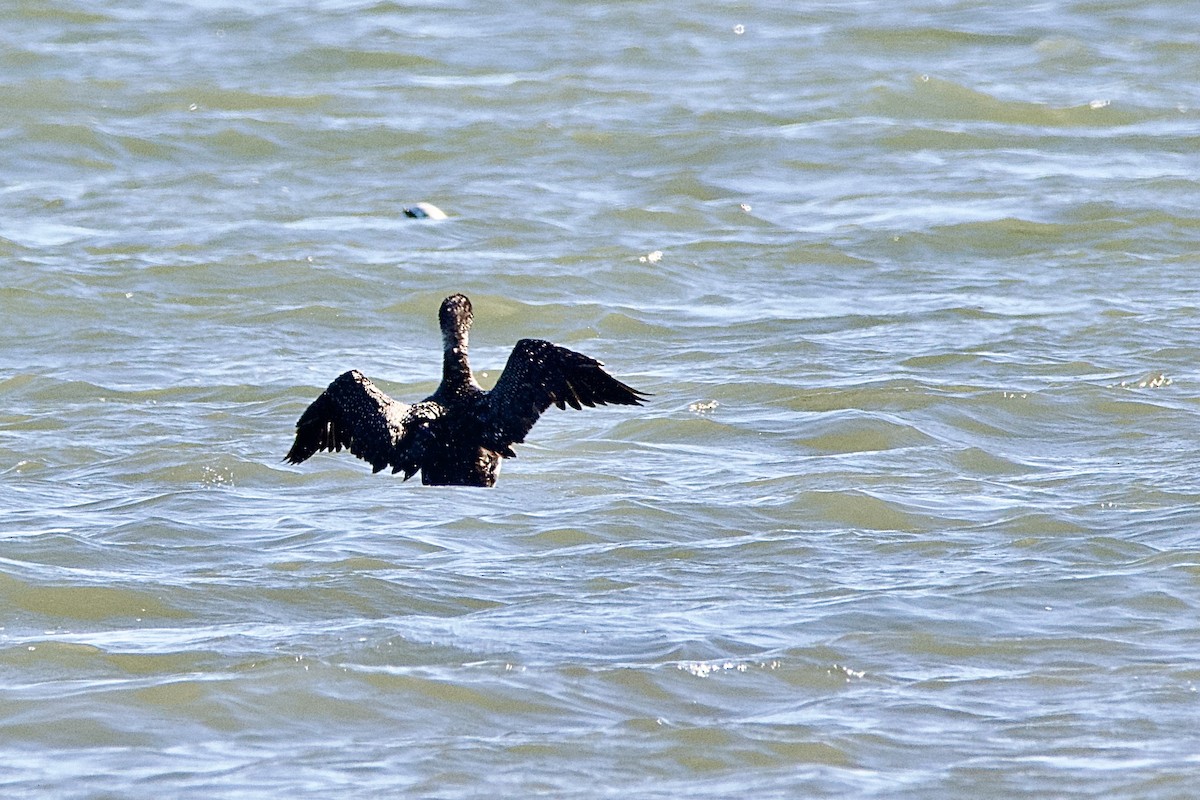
1099 104
739 29
1155 380
651 258
703 669
745 207
847 672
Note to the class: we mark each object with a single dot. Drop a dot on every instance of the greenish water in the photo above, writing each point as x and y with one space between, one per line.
913 511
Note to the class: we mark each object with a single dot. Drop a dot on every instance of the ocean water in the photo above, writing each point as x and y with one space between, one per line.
913 511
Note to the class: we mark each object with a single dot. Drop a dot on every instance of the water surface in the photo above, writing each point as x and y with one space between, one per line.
913 512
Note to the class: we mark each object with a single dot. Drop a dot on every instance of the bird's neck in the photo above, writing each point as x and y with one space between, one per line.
456 369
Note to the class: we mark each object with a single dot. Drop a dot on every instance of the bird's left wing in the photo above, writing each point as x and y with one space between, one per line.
354 414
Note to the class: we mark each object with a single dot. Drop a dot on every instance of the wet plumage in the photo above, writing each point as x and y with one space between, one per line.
457 435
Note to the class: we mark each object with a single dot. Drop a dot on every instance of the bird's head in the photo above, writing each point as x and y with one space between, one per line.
455 318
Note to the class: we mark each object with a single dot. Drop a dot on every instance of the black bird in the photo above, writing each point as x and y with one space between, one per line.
458 434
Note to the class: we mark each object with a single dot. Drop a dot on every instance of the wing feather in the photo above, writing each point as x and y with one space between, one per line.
539 374
353 414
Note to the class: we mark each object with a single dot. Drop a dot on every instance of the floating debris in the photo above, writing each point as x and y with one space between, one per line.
425 211
703 406
745 207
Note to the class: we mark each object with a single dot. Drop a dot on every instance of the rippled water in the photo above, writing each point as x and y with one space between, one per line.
912 513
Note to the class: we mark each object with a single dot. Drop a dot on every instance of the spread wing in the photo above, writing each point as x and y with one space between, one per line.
539 373
354 414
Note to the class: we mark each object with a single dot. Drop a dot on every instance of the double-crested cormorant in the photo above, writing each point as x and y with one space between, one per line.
458 434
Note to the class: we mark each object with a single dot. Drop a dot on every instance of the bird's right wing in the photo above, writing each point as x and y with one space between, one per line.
540 374
354 414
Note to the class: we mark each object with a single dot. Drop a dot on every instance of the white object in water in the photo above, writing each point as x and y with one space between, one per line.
425 211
